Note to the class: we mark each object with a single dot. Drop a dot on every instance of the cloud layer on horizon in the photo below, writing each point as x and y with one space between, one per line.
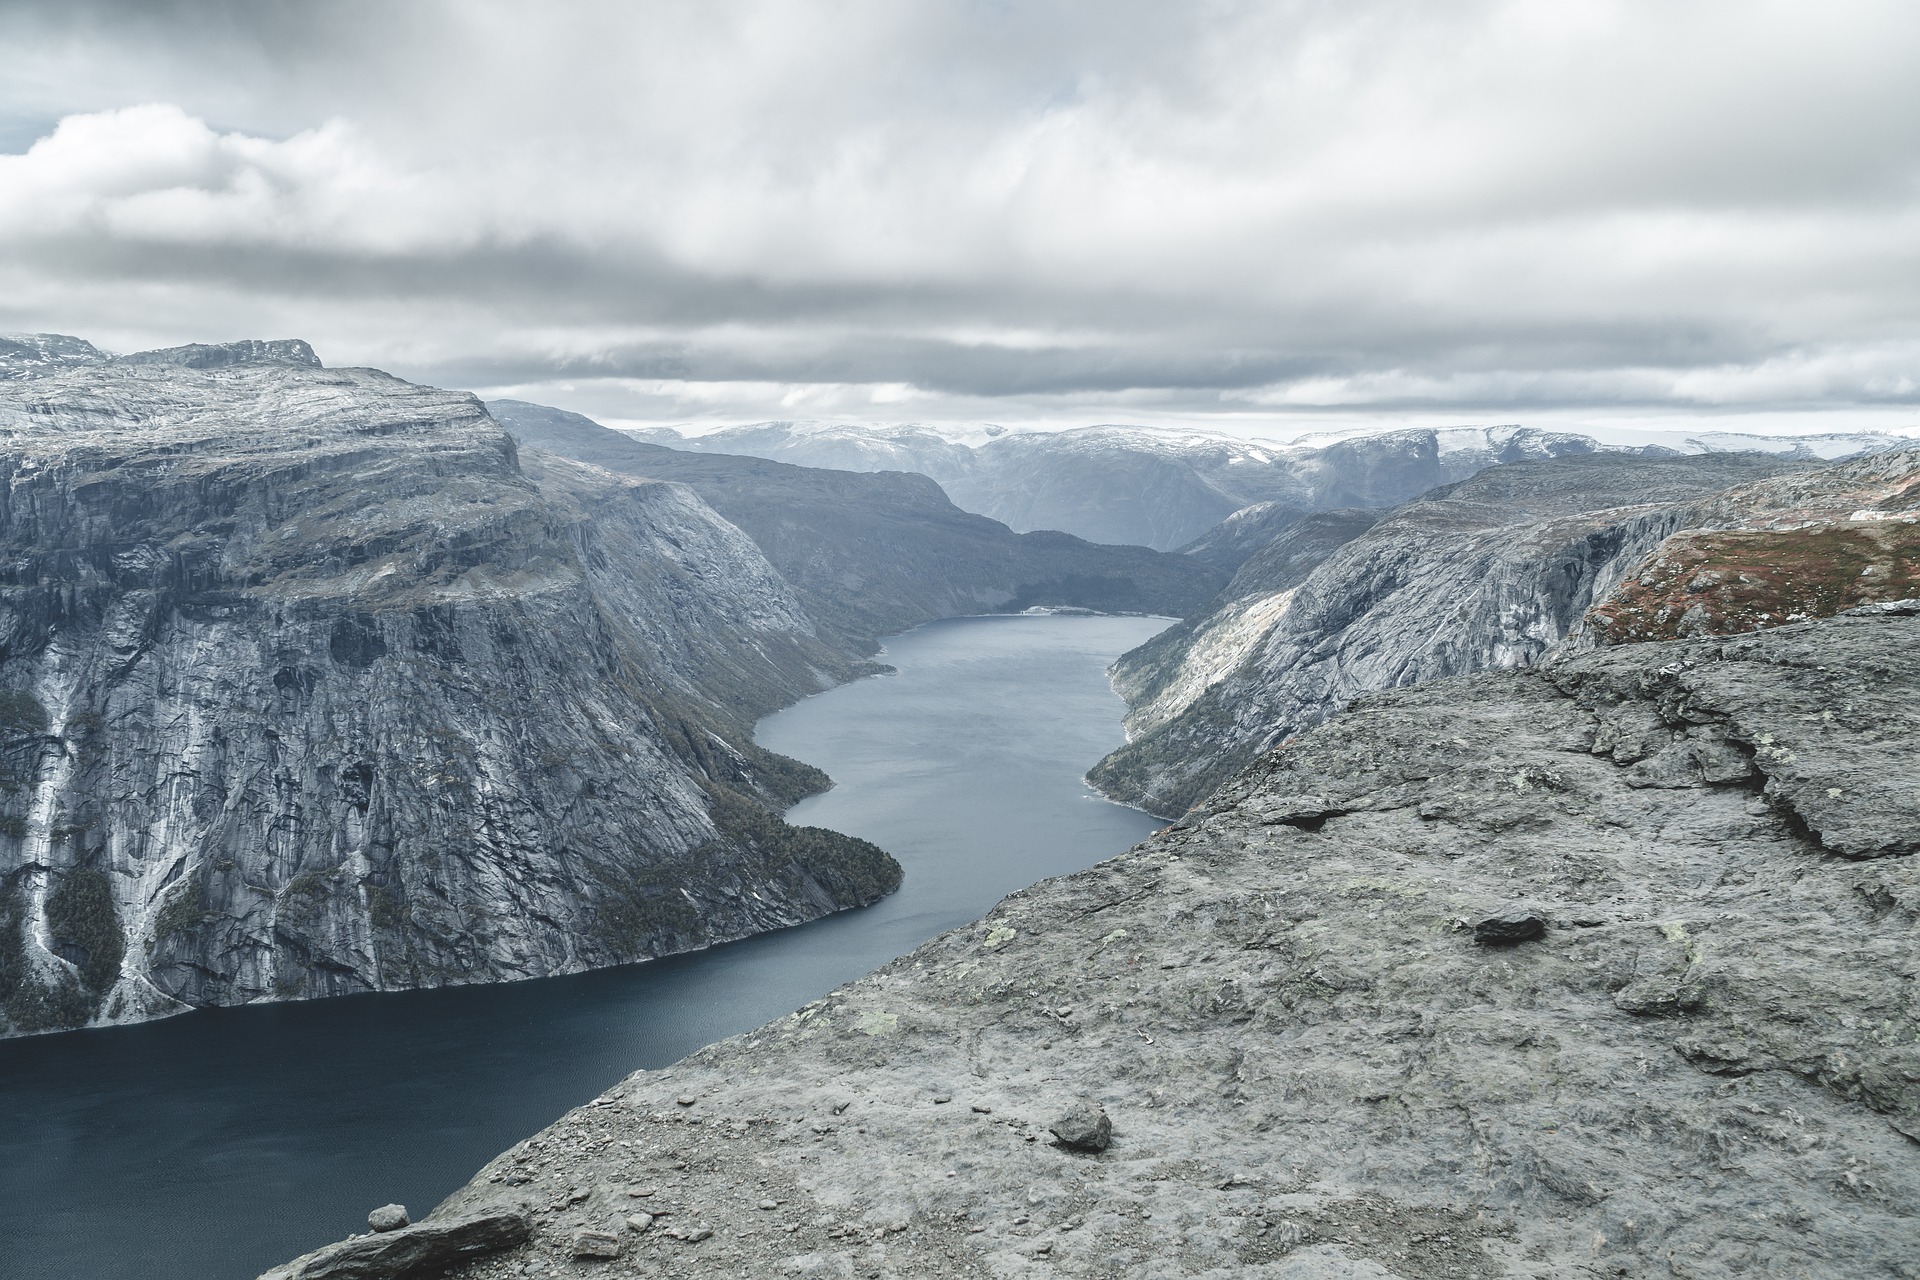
759 208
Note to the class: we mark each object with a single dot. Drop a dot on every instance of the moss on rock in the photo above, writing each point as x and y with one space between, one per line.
86 928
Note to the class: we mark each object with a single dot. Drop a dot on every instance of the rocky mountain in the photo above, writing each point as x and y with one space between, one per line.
1168 673
878 552
838 446
1817 446
1485 573
1229 544
1603 967
312 682
1160 489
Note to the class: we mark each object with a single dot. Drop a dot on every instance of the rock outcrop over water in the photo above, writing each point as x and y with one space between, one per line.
873 554
311 684
1687 1048
419 1252
1486 573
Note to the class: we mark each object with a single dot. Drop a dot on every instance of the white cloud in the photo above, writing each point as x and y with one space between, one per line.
1249 206
153 173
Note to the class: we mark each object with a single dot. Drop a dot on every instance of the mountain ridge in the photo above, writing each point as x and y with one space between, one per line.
1121 484
1486 572
1169 487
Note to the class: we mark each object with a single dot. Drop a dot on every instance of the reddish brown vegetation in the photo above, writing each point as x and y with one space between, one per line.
1710 583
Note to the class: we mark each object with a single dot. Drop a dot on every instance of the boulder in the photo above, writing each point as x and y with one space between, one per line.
597 1244
388 1217
1083 1127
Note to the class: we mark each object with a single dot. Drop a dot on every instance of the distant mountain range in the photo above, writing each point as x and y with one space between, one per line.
1165 488
878 551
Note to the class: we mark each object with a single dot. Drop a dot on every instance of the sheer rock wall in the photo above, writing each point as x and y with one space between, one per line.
308 686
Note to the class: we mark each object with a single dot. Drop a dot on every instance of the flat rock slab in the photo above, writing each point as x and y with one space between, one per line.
597 1244
423 1249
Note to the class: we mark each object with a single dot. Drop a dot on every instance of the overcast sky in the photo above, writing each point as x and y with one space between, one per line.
1012 210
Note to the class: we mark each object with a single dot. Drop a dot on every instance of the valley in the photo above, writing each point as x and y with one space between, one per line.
317 682
1512 760
263 1130
1603 967
729 640
1481 934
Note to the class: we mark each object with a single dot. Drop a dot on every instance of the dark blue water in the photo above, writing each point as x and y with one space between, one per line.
210 1146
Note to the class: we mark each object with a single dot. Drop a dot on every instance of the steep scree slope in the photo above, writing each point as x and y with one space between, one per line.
1706 1066
306 687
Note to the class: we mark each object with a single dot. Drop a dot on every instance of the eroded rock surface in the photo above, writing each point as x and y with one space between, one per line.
1706 1066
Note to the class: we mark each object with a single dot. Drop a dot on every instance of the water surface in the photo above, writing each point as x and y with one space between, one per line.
213 1145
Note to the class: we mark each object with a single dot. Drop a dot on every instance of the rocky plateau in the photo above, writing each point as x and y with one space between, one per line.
1601 967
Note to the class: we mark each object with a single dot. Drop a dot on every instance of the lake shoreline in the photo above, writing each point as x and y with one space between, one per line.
267 1129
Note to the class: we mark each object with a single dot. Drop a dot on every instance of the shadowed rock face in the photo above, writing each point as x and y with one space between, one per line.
1486 573
1704 1063
875 554
308 686
1228 544
1285 561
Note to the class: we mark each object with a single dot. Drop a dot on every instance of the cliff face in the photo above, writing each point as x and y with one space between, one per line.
1486 573
1604 967
873 554
308 686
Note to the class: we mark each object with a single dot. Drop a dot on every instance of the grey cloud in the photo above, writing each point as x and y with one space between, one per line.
851 331
1353 206
1166 362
